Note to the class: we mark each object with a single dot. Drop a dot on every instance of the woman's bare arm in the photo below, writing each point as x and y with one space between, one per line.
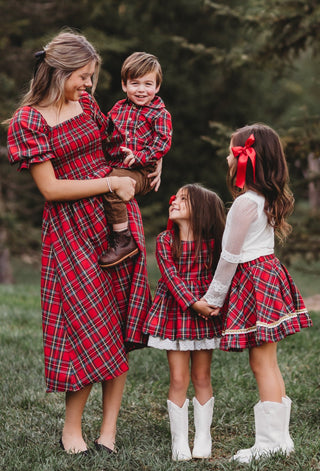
54 189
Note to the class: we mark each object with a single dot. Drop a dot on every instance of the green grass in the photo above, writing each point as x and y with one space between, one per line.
306 276
31 420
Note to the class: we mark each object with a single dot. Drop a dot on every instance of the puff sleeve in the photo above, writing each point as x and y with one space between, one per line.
28 140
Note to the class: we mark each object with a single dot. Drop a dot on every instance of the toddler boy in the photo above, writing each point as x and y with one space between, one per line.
139 134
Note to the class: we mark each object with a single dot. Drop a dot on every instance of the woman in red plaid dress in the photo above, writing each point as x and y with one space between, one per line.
89 315
187 256
261 304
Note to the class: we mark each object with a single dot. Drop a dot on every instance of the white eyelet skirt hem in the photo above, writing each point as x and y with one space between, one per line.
183 345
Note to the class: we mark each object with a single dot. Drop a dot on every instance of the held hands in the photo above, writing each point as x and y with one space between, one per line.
204 310
215 311
130 158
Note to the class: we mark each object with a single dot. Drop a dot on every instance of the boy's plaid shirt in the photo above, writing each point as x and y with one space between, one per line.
146 130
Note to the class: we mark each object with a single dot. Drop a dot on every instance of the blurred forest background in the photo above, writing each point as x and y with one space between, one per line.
225 64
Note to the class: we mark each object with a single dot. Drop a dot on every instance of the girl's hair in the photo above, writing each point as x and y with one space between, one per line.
271 175
139 64
207 221
67 52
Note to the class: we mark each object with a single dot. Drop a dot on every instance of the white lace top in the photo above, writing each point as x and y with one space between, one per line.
247 236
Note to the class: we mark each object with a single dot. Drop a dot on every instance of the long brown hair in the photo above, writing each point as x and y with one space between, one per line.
67 52
207 221
271 175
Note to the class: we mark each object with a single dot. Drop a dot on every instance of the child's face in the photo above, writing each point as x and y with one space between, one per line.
232 162
180 207
142 90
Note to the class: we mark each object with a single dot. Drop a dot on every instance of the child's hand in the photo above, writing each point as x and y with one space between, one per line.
202 308
215 311
130 158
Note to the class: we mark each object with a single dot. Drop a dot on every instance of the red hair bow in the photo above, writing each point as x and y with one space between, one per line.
170 223
245 153
171 200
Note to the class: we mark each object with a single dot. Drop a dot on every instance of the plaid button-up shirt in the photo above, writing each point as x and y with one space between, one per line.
146 130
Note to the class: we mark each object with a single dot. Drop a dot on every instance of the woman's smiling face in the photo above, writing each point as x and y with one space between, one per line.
79 81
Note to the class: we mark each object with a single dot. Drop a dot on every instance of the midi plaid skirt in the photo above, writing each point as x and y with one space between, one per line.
90 317
263 305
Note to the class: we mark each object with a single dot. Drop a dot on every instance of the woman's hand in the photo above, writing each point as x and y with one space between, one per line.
156 175
124 187
55 189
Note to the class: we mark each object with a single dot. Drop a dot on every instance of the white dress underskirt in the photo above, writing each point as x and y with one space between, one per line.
183 345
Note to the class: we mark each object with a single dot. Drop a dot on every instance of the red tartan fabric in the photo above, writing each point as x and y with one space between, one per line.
146 130
263 305
181 284
88 314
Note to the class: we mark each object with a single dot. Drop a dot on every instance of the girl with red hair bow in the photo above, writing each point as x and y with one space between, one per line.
257 297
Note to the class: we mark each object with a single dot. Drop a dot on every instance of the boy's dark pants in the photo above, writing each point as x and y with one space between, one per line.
115 208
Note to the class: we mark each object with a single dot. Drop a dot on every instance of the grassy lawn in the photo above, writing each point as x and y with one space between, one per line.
31 420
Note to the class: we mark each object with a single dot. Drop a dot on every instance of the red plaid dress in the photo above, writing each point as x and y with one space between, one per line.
260 302
263 305
88 314
181 284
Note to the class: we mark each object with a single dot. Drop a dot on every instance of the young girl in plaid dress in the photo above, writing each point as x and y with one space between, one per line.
187 255
89 316
259 301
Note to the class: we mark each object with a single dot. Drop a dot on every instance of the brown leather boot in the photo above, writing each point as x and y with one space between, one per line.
124 246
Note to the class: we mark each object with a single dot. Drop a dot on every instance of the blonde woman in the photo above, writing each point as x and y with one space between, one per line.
90 316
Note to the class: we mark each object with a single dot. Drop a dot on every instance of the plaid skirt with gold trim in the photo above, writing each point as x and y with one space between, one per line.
263 305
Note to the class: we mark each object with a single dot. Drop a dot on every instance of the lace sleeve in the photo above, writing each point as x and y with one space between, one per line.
241 215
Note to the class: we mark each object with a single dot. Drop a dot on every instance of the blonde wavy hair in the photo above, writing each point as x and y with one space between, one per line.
67 52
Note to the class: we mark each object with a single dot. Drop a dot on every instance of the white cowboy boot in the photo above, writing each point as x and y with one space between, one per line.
179 431
270 419
202 422
289 445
